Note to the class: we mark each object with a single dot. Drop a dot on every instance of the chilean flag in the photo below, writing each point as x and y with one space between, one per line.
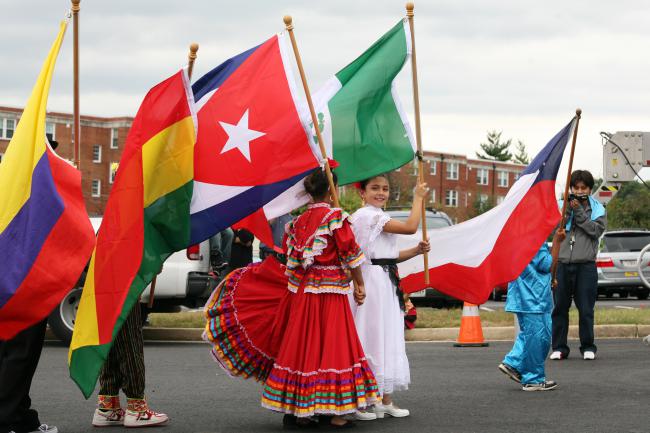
471 258
253 141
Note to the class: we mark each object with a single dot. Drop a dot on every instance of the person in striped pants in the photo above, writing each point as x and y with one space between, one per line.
124 369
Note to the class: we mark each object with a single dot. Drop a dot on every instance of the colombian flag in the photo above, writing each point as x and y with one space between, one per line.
147 218
45 234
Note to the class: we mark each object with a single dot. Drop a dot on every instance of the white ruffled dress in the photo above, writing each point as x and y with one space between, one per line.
380 320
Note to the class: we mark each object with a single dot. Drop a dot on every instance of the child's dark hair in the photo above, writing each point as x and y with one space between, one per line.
316 183
582 176
365 182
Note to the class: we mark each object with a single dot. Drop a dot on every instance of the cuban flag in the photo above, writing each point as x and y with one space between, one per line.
254 140
469 259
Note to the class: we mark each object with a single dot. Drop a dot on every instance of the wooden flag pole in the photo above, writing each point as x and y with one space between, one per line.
556 248
288 21
191 57
75 72
418 131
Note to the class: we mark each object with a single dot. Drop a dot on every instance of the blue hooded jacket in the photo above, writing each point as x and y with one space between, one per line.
531 291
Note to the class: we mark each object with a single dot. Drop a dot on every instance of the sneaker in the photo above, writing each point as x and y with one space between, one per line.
43 428
362 415
547 385
138 414
106 418
557 355
510 372
382 410
589 355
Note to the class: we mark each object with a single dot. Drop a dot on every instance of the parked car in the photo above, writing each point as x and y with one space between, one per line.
428 297
617 263
184 280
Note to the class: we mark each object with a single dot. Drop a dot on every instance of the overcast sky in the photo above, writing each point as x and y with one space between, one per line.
513 65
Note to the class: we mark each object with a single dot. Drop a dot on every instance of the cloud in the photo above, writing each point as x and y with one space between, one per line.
517 66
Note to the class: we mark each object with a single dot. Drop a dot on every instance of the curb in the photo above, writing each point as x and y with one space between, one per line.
491 333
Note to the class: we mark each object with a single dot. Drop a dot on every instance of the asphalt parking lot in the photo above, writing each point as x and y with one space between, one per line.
453 390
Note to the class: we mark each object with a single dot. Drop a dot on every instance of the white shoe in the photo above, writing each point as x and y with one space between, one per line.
361 415
589 355
390 409
556 356
44 428
147 418
106 418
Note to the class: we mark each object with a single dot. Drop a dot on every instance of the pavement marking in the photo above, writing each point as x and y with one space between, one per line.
624 307
486 308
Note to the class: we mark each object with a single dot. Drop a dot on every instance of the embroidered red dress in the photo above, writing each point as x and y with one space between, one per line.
296 332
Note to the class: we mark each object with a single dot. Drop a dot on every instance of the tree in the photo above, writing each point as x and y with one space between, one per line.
495 149
350 199
522 155
482 205
629 208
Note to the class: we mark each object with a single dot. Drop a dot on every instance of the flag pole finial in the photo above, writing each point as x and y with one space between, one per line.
191 57
409 9
288 22
75 5
578 112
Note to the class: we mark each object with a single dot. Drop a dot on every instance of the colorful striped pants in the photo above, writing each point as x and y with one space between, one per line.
124 367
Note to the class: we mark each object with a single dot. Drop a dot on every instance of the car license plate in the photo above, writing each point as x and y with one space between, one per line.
631 274
628 262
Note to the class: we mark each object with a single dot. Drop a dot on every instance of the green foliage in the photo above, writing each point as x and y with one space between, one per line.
630 208
495 149
521 157
482 206
350 199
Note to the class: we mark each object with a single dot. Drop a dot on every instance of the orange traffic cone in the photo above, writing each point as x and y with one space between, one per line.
471 333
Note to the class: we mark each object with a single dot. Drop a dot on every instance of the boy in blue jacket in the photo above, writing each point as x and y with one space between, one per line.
529 296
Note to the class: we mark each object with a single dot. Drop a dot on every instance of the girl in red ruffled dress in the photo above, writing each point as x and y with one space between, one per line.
291 326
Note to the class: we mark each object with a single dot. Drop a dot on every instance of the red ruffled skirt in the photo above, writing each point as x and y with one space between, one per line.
304 346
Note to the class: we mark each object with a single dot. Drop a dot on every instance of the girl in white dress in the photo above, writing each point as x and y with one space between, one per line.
380 320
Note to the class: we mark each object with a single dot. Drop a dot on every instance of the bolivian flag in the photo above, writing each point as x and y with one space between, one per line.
145 221
45 234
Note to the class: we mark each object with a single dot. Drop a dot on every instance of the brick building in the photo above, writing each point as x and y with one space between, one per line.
460 186
102 142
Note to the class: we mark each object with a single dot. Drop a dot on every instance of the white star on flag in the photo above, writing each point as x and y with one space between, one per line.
239 136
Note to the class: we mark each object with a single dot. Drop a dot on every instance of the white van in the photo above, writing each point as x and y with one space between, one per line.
184 280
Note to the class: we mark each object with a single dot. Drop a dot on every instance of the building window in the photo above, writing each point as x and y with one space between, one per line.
432 169
503 178
97 153
482 176
500 199
96 188
396 195
10 126
452 170
114 137
49 131
483 198
415 167
451 198
433 195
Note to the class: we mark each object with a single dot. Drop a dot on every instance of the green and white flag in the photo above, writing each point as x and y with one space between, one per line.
359 112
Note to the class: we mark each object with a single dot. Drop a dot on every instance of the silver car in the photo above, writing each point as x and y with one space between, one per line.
429 297
617 263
